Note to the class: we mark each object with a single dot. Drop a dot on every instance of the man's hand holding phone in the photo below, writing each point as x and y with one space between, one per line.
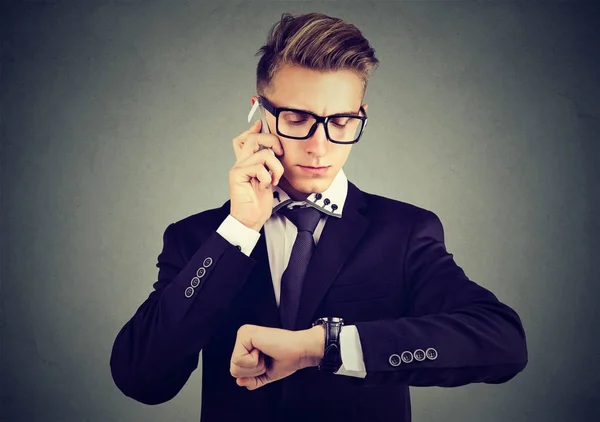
256 169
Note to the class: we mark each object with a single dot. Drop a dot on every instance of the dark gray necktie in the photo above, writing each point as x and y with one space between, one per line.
305 220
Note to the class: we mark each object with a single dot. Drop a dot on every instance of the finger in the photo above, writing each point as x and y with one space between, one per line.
265 139
242 349
252 383
238 141
248 172
249 360
254 173
262 175
275 168
249 365
240 361
266 159
260 367
251 143
249 382
256 127
239 372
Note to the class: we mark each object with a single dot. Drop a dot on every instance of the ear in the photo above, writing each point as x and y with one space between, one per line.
253 99
365 106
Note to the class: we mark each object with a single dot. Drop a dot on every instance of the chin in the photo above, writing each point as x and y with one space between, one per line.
310 185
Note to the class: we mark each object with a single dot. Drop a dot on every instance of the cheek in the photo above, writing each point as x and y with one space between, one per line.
339 154
287 164
290 154
344 153
285 159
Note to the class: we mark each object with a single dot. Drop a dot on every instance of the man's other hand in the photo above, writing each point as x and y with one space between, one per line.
262 354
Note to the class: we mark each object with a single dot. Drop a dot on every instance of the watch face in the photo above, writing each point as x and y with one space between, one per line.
330 320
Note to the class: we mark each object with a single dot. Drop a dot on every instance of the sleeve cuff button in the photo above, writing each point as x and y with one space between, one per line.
419 355
395 360
431 353
407 357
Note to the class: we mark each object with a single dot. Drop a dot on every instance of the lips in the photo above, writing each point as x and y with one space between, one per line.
314 170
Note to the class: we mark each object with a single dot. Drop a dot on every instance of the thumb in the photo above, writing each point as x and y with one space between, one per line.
255 354
251 359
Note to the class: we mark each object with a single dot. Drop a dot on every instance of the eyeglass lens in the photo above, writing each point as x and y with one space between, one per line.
341 129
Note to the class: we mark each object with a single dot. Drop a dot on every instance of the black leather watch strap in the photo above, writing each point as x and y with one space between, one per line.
332 358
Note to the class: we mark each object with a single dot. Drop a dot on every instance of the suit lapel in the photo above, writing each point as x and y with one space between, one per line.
339 238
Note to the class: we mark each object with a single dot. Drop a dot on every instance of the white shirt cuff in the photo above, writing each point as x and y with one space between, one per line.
239 235
351 350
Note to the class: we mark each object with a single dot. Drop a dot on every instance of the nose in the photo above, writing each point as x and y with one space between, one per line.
317 144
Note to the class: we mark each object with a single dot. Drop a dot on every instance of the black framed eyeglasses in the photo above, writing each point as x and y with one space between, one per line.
345 128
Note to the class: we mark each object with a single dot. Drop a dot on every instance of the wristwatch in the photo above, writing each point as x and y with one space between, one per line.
332 358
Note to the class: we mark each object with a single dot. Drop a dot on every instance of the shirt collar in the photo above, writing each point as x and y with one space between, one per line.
330 202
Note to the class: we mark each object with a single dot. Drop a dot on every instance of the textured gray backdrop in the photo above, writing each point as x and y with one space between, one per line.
117 119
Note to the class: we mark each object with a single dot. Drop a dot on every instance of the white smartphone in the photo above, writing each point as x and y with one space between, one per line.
264 125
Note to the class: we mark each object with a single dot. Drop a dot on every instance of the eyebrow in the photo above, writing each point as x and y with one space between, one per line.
354 113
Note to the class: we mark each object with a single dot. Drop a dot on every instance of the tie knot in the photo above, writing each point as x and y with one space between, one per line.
305 219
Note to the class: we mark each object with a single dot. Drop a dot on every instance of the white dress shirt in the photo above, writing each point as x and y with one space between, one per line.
280 234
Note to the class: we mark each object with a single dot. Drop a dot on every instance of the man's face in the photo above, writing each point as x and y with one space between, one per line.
323 94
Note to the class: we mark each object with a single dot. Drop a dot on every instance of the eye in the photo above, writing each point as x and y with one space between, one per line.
295 118
340 121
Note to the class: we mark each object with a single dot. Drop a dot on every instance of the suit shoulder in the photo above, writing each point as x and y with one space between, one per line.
207 220
390 208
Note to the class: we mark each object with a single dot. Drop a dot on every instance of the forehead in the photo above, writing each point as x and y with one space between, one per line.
320 92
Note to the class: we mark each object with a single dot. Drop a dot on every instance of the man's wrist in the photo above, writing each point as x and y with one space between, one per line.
255 227
315 345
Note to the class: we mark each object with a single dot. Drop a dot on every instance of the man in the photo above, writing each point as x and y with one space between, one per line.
377 306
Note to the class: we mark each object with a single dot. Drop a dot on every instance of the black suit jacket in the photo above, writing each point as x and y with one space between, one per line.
383 267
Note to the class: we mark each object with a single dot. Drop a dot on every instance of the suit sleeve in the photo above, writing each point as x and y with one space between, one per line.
156 351
457 332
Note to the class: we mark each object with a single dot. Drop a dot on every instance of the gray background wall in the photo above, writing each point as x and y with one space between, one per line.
117 119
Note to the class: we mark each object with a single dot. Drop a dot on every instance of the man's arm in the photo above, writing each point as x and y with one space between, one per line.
156 351
465 333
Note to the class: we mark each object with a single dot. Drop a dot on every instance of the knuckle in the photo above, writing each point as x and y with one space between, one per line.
249 138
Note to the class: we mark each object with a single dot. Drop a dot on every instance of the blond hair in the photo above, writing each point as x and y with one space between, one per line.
314 41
